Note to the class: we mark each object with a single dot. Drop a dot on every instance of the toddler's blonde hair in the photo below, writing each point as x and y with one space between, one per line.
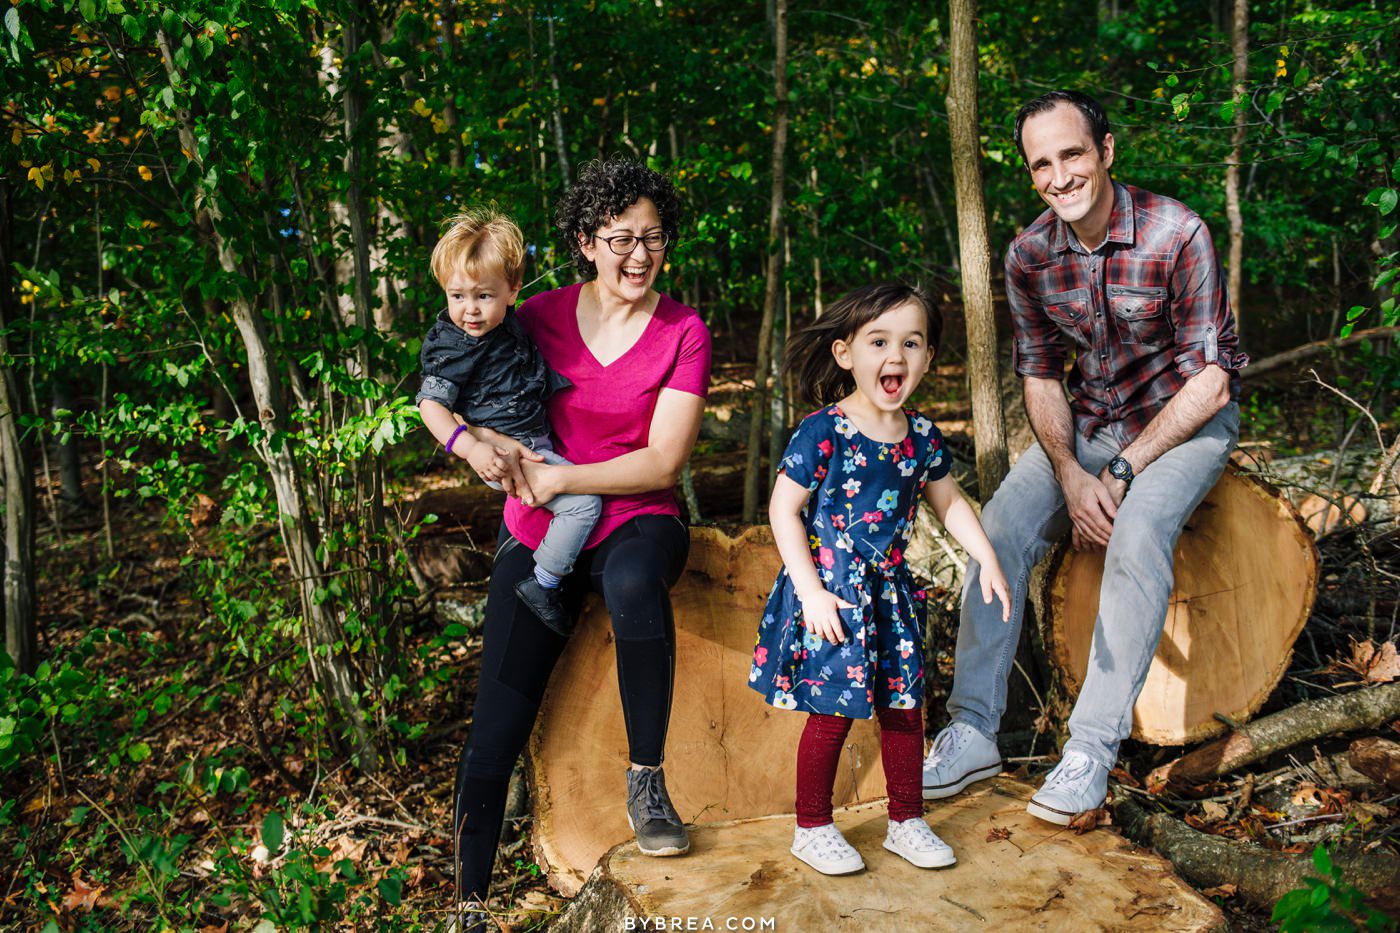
478 242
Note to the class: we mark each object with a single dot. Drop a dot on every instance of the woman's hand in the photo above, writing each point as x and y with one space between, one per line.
544 481
821 616
500 461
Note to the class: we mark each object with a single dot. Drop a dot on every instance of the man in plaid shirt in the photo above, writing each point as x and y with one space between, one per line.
1129 281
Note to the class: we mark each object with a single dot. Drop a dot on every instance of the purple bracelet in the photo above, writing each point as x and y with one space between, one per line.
453 439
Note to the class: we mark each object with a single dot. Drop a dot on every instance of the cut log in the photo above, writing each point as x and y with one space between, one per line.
1246 575
1259 875
1332 715
1378 759
729 755
1014 872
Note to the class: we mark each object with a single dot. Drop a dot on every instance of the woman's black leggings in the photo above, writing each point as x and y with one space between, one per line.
632 569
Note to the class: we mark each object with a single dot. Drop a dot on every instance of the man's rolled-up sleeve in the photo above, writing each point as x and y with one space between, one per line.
1036 350
1200 308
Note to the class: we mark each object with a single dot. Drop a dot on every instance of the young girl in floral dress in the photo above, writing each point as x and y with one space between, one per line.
842 634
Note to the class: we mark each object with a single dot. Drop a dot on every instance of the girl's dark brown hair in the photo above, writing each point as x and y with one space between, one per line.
809 358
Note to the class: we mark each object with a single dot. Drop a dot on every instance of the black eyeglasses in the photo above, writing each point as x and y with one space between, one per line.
624 243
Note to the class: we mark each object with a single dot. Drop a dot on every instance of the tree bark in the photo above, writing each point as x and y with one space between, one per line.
332 666
21 632
1368 708
1240 42
1260 876
773 284
561 149
369 472
982 366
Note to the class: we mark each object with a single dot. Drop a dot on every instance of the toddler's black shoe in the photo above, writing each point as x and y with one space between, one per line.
547 604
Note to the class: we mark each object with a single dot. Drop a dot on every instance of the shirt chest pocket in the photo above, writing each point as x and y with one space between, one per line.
1069 311
1140 313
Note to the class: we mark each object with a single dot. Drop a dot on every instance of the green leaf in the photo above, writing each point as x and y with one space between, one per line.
139 751
1272 102
1386 203
1227 110
273 830
391 889
12 22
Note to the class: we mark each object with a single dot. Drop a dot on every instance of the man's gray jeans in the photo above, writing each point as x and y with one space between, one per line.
574 517
1025 518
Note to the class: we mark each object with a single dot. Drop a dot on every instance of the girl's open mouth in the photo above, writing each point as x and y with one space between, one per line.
636 276
890 385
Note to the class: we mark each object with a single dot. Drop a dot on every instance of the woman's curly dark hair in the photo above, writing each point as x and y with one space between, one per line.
606 188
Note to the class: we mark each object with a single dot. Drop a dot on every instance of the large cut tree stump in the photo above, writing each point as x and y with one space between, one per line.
730 769
729 755
1014 872
1246 574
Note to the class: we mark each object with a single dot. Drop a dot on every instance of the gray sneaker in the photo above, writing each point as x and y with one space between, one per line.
652 817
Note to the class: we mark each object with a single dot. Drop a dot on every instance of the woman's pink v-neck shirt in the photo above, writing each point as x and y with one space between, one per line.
607 411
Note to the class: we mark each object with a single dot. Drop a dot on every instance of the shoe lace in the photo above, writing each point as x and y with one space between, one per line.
948 743
1072 770
650 799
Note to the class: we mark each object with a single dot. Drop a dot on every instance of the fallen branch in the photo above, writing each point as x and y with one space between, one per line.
1313 719
1260 876
1309 350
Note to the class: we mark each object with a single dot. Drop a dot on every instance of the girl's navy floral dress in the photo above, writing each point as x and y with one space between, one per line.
865 495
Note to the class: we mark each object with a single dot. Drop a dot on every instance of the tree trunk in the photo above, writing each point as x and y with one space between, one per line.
331 664
21 632
369 472
69 469
1245 572
1240 43
982 366
773 284
561 150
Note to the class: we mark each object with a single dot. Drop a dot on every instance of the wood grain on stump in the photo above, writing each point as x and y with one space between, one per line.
1029 875
1245 577
729 755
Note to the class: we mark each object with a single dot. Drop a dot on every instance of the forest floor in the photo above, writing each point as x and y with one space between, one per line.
151 805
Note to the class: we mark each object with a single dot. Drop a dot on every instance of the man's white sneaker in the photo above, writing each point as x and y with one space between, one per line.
960 756
914 842
826 850
1077 785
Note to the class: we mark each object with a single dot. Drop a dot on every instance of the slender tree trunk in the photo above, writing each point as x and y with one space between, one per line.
1240 42
369 472
447 15
557 107
987 414
775 263
331 664
21 632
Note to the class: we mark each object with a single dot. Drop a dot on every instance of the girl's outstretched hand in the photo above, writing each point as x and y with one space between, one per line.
821 616
994 581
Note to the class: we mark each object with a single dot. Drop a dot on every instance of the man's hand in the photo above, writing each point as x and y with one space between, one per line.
1091 506
1116 487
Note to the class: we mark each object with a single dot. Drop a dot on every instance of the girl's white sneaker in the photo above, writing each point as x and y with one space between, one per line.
913 841
826 850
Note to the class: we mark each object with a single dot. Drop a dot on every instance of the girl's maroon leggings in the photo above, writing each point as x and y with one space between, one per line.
901 751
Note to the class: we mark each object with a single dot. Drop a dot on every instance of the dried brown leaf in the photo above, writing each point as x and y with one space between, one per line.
1223 890
1091 819
998 834
1213 812
1307 795
84 896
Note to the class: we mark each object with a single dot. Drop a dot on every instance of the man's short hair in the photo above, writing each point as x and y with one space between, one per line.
480 242
1091 109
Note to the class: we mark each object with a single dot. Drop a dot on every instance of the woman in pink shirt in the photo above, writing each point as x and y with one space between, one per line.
639 362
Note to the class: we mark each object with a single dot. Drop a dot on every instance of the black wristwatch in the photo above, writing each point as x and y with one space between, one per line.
1118 468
